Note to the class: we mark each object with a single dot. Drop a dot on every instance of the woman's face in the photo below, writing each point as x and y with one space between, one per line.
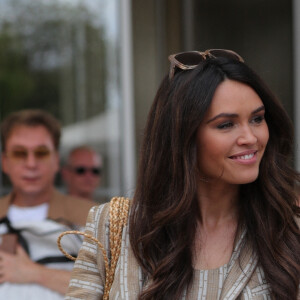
233 136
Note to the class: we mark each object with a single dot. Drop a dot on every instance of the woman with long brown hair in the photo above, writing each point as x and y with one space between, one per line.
214 215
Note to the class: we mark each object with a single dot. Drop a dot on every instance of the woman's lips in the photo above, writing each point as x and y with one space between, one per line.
248 157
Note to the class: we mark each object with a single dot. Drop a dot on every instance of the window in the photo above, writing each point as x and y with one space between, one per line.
63 56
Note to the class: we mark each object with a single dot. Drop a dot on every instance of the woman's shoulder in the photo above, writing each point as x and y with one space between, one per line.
102 211
99 211
99 218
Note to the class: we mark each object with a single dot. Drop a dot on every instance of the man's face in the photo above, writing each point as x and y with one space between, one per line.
30 160
82 175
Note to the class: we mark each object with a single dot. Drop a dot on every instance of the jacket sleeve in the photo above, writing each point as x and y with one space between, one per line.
88 275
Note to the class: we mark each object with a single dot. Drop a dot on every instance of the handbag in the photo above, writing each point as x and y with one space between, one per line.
118 214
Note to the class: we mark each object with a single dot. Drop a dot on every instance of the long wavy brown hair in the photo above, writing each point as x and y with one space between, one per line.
165 210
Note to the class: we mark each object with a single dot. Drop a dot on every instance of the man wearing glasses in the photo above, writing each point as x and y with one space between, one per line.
35 211
82 172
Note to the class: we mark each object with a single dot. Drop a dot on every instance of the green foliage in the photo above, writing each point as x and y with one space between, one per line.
51 57
20 85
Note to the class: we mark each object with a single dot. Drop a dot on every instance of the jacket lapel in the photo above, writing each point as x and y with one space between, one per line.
241 267
4 205
56 206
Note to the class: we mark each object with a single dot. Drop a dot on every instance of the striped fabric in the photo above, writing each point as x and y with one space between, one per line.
241 280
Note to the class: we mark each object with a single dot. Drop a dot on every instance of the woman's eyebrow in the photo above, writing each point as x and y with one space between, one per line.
229 115
261 108
222 115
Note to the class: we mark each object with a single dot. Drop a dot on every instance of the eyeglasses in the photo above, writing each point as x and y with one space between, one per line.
191 59
83 170
20 155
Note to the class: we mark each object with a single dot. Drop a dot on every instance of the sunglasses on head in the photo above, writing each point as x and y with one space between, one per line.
21 154
191 59
83 170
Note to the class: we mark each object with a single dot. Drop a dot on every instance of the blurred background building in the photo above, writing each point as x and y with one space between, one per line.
96 64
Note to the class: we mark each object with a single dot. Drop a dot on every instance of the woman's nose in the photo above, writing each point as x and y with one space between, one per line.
247 136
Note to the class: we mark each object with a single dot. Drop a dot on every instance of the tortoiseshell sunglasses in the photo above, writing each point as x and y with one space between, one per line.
190 60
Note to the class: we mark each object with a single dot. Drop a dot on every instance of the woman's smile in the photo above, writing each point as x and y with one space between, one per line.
247 157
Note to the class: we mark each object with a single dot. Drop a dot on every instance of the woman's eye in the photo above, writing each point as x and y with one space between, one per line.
258 119
225 125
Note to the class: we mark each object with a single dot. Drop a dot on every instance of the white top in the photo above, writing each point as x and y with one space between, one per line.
42 234
18 214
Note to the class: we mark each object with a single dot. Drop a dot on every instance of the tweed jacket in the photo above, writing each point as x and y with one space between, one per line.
241 279
61 207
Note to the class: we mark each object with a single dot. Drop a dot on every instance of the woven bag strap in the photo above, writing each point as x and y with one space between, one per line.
118 215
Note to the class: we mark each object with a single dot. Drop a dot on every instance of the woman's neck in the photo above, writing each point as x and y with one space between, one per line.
217 204
216 230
